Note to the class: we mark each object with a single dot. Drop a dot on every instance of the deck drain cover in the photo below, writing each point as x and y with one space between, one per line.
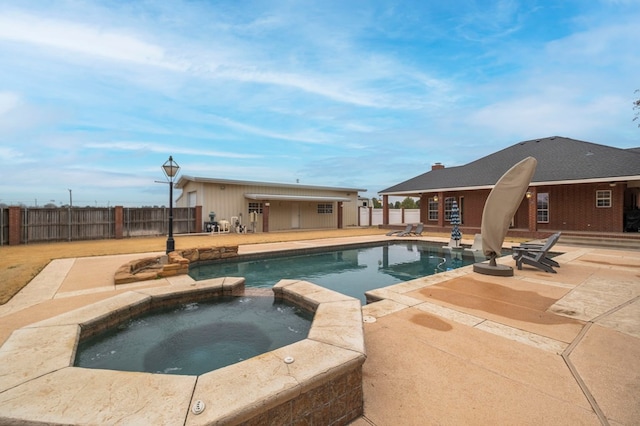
369 318
198 407
288 360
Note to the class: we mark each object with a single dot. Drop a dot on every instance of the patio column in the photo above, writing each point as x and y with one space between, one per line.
424 207
532 196
340 214
265 217
441 209
385 209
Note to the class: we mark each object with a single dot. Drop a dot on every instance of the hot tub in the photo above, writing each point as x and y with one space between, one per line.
318 379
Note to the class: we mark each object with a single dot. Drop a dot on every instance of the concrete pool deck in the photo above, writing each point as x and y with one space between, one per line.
455 348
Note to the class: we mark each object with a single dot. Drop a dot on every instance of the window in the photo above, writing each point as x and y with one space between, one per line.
543 207
433 209
603 198
255 207
325 208
448 205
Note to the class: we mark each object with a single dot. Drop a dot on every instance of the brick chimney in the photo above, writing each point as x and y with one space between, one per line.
437 166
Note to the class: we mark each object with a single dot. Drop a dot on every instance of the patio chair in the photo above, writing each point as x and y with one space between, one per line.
476 248
477 243
407 229
417 232
537 255
552 240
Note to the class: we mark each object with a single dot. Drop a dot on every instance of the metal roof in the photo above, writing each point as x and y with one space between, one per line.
560 161
185 178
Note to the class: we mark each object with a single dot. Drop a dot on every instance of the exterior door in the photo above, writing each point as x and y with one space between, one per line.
295 216
191 199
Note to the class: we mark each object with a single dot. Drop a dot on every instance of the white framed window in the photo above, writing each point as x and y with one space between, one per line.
543 207
432 212
448 205
603 199
324 208
255 207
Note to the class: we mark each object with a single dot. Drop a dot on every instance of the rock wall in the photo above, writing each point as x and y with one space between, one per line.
175 263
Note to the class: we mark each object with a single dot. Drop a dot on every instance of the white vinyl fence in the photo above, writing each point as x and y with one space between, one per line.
372 217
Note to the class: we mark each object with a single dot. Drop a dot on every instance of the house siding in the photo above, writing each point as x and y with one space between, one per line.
571 208
471 211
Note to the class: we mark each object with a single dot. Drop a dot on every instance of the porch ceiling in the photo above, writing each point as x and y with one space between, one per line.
282 197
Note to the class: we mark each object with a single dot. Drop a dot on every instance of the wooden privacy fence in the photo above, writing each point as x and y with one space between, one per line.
34 225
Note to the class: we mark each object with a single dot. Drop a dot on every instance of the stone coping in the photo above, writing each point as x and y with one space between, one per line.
41 385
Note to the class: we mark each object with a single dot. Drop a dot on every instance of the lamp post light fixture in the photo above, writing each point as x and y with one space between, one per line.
170 169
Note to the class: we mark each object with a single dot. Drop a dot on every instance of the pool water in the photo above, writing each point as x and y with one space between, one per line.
195 338
351 271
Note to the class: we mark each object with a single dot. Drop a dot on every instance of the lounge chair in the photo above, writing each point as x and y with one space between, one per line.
417 232
477 243
537 255
476 248
407 229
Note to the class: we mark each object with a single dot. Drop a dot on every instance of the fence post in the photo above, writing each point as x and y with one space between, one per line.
198 227
14 225
119 222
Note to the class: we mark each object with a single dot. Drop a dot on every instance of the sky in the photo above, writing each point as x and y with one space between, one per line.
96 95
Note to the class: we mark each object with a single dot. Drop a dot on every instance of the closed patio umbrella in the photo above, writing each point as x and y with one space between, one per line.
454 219
501 205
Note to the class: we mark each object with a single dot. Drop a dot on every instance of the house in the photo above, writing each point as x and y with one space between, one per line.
577 186
265 206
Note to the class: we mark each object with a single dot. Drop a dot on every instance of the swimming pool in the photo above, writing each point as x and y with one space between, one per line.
351 270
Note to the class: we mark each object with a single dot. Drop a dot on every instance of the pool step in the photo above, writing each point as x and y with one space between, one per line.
601 241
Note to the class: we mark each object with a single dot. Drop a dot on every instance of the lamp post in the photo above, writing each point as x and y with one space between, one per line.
170 169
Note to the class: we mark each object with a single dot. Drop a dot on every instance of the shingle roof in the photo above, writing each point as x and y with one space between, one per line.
559 160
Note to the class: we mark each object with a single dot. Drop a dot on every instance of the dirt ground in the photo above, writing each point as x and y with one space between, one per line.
20 264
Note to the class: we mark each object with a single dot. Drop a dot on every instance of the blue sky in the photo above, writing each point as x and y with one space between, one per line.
95 95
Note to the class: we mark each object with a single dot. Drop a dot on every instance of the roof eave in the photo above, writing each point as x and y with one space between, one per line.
184 179
284 197
607 179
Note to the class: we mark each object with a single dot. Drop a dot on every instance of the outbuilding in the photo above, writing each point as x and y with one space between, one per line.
247 206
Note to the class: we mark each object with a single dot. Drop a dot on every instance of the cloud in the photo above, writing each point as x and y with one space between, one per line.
163 149
8 102
83 39
236 61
